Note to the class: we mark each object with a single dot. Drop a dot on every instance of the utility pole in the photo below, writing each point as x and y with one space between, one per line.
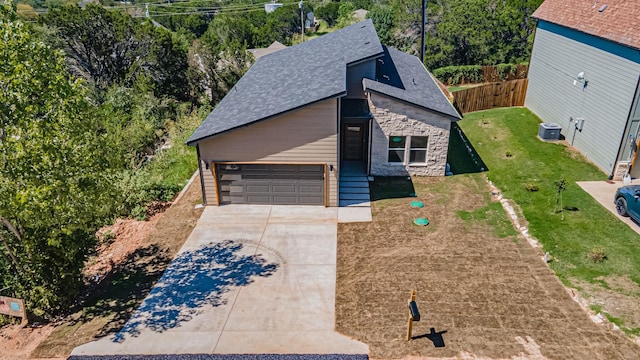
301 18
424 30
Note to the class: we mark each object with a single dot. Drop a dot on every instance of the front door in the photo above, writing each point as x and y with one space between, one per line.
353 141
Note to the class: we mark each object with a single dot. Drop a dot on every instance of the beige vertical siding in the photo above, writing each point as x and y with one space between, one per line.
306 135
209 186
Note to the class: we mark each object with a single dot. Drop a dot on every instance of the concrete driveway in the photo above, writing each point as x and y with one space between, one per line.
604 192
249 280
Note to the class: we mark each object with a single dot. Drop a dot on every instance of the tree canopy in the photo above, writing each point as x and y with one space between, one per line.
52 176
460 32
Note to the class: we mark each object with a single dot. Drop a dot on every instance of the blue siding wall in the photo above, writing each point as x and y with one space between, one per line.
355 73
611 70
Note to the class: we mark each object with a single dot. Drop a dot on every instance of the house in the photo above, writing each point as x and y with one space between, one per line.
301 115
260 52
583 76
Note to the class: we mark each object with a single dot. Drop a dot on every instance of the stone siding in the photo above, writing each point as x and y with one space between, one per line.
621 169
395 118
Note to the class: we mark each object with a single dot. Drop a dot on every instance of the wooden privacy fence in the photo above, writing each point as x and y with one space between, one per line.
493 73
500 94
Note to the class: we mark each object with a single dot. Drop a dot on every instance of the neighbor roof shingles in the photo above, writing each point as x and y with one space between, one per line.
291 78
619 22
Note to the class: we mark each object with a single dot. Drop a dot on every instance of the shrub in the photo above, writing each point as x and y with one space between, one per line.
454 75
137 191
597 255
462 74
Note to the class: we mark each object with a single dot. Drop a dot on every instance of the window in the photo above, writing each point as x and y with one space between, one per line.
396 149
418 150
414 146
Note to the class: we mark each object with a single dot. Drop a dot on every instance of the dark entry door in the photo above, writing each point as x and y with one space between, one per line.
353 142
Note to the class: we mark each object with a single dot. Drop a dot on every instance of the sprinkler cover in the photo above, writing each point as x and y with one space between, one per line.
421 221
417 204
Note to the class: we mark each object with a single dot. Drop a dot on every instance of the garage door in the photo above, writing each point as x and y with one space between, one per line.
271 184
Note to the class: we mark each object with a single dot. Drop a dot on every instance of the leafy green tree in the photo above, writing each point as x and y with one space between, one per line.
328 13
466 32
345 14
382 17
52 172
223 65
110 47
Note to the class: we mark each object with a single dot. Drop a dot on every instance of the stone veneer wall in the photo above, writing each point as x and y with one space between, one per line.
620 170
395 118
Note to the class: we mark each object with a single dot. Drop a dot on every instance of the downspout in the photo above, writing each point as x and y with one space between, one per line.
204 195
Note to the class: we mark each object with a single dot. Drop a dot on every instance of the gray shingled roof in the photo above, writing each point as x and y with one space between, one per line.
290 78
403 77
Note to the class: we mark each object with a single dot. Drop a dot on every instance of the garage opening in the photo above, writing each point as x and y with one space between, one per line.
273 184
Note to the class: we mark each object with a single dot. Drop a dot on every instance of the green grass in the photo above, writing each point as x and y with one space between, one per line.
461 155
492 214
391 187
175 165
461 87
597 308
323 28
506 141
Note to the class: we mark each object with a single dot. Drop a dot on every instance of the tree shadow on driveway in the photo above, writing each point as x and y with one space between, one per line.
193 279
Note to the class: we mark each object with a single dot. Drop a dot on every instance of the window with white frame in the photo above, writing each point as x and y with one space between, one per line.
408 149
397 146
418 149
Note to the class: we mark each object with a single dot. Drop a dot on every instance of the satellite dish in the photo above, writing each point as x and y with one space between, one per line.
310 15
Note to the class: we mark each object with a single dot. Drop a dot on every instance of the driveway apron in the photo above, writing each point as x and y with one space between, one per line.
251 279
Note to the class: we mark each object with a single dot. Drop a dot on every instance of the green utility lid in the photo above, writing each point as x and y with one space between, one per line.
417 204
421 221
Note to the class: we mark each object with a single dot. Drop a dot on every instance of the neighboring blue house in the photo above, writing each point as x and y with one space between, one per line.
584 75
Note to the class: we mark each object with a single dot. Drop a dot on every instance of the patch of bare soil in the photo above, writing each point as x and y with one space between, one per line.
17 342
620 300
480 296
117 241
128 262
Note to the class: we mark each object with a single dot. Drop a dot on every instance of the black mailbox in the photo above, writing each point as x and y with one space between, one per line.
415 314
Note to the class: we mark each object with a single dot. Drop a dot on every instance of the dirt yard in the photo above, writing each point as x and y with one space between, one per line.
481 296
123 271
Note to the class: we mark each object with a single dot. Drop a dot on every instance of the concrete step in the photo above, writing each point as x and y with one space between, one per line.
355 203
354 190
347 196
354 184
354 178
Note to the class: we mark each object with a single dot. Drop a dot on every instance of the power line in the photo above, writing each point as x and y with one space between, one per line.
204 10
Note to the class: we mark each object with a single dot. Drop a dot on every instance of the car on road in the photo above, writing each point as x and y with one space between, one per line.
627 201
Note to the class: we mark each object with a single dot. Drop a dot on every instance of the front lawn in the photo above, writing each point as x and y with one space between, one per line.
526 170
481 290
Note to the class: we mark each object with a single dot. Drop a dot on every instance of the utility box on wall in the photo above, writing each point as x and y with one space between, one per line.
549 132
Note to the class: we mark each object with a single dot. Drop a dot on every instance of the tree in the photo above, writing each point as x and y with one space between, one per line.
328 13
223 65
466 32
52 173
110 47
382 17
